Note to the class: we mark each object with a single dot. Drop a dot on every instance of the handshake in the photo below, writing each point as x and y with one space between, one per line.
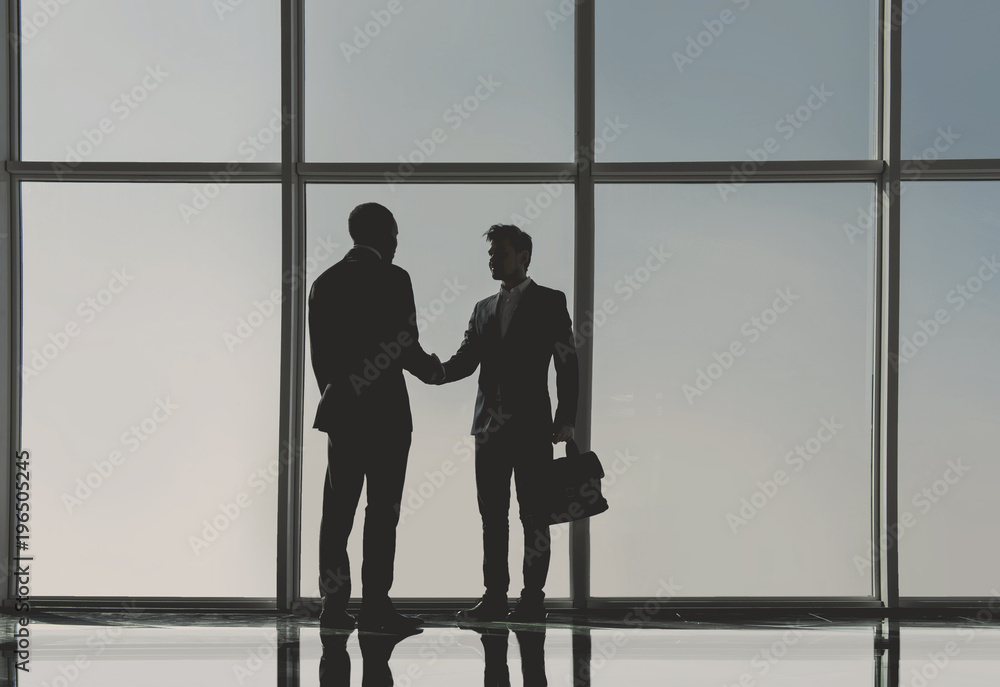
437 376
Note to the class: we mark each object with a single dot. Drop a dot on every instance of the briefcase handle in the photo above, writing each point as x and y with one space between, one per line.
571 448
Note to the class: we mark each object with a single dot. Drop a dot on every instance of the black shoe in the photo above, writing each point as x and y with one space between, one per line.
528 610
389 622
487 609
336 620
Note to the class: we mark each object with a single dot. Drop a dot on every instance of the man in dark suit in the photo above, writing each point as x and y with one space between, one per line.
511 337
363 334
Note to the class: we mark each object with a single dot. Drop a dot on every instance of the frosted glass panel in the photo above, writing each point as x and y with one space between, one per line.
732 390
151 389
949 389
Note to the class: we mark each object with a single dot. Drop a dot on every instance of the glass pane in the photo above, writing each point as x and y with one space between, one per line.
185 80
950 62
968 654
151 352
439 537
732 390
949 327
455 80
644 657
735 79
132 650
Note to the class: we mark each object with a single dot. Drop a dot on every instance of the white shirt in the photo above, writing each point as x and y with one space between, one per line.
507 303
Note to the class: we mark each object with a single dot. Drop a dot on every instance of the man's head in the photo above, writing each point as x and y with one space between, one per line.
510 252
371 224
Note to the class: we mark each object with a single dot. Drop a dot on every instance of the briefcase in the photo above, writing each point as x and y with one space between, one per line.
573 487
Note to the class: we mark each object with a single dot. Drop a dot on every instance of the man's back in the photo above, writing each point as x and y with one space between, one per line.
362 334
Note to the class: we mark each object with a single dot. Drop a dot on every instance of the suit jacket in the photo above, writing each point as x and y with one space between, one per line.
363 334
518 364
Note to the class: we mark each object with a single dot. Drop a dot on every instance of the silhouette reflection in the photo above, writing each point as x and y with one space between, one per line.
531 644
376 650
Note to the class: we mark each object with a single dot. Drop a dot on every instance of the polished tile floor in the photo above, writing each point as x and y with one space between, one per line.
82 649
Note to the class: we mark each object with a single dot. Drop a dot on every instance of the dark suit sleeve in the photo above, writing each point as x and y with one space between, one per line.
320 341
469 354
412 356
567 366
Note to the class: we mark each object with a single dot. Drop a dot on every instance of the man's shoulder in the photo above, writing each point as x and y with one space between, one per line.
349 270
484 302
546 293
330 278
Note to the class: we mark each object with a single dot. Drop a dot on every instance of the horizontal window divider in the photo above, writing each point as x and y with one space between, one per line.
751 602
124 604
425 605
739 172
597 604
438 172
210 172
992 604
949 170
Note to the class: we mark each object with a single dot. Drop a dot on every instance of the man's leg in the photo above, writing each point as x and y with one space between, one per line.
493 471
341 492
530 463
385 459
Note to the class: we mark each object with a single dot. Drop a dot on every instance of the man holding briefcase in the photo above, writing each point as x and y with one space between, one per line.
512 336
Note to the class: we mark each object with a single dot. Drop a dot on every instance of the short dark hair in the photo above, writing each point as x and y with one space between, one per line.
519 240
368 221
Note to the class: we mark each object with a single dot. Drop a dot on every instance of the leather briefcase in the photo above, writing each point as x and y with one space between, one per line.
573 487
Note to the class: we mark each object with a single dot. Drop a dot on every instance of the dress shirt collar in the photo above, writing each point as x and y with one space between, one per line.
518 290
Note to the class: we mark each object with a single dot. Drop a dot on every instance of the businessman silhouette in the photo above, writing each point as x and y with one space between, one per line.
531 645
512 336
363 334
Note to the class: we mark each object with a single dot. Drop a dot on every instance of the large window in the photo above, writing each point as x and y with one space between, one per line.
743 200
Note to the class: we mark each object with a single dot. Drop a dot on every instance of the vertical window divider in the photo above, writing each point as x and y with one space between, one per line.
10 251
293 310
886 550
583 271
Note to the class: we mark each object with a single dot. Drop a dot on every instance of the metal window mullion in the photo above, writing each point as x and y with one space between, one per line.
292 312
706 172
583 271
982 169
437 173
190 172
889 241
10 250
876 418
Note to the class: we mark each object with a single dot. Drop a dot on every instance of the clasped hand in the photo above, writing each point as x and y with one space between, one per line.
437 376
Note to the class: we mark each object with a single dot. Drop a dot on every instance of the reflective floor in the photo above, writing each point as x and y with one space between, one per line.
169 649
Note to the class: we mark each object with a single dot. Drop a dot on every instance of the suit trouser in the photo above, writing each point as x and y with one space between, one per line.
352 458
525 454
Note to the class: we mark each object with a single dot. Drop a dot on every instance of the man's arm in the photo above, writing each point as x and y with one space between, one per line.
467 357
567 370
320 348
423 366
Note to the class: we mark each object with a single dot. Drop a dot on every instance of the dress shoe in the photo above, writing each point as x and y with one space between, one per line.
390 622
487 609
336 620
528 610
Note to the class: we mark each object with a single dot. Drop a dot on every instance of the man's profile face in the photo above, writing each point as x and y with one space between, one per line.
387 242
393 242
503 259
